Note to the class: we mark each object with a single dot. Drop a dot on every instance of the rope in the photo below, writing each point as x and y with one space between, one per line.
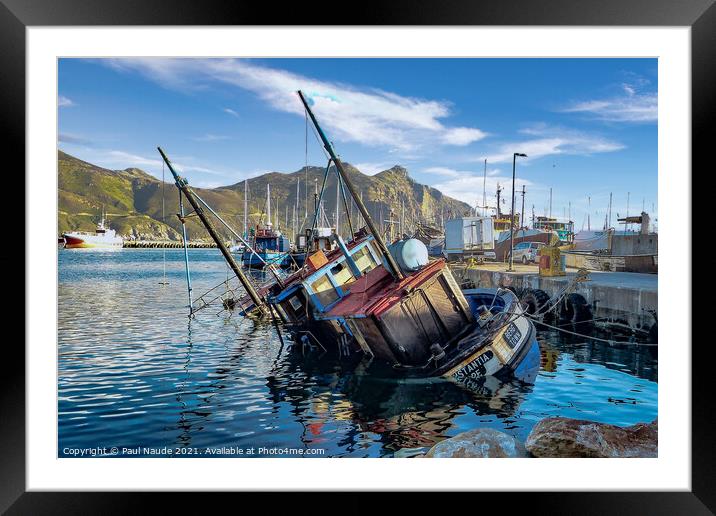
589 337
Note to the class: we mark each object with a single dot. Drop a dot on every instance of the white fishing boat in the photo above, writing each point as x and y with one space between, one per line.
103 237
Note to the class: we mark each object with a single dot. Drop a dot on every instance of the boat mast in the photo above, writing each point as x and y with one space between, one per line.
390 261
183 186
268 203
246 208
499 216
484 192
296 207
186 253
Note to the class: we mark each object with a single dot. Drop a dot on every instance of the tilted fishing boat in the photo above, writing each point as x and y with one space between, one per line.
391 303
396 305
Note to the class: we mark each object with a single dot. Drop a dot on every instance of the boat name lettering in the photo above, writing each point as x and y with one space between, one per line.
512 335
474 369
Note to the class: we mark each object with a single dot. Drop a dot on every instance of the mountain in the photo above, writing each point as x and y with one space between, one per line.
133 199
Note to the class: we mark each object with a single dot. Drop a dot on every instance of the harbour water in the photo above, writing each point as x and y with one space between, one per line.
135 373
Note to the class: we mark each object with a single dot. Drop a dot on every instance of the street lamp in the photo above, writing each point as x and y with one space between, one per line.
512 212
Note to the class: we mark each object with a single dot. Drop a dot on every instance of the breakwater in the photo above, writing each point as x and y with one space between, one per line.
168 244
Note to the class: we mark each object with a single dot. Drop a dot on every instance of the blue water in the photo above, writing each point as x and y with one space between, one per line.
136 374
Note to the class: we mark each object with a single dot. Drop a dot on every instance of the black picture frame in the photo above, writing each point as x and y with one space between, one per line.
16 15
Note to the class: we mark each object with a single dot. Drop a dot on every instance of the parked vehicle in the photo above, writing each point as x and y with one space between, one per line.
526 251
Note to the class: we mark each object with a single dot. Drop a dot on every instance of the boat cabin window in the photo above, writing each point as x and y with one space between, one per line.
325 291
364 259
296 303
342 274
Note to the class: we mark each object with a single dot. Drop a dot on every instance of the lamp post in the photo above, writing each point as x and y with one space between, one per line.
512 212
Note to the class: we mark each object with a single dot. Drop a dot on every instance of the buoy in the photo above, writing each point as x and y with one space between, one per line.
411 254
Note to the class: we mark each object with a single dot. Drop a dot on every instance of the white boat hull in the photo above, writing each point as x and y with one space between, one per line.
82 241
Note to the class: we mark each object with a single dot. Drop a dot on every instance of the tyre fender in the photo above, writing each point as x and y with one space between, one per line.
575 309
535 301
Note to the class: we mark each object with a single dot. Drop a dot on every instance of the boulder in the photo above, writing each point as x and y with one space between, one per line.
565 437
483 442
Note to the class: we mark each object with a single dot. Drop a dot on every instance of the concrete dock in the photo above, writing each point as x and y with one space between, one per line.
627 299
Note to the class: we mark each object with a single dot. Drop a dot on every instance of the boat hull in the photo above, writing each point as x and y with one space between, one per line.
74 241
252 261
502 355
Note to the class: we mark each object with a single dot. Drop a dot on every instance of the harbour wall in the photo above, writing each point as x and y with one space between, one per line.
616 298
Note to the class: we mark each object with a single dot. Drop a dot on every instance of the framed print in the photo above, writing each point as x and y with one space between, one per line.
416 252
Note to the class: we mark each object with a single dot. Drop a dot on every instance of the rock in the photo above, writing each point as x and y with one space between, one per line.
483 442
565 437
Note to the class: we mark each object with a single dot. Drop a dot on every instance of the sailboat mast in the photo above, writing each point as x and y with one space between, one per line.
390 261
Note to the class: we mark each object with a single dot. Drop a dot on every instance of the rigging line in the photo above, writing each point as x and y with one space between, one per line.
227 226
320 196
320 143
305 215
164 249
345 204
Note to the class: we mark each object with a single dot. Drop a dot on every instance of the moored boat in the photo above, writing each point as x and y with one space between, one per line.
270 246
103 237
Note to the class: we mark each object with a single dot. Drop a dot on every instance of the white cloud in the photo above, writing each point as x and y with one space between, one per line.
630 106
348 113
451 172
126 159
548 141
231 112
119 160
468 187
210 138
442 171
462 136
63 101
74 139
371 169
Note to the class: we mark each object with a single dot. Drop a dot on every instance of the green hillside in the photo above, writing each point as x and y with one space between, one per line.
132 199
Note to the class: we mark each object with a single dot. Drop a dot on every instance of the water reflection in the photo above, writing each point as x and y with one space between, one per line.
133 371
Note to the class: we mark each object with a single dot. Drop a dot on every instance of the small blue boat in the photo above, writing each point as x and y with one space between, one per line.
271 248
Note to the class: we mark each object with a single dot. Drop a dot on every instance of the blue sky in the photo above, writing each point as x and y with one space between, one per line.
588 126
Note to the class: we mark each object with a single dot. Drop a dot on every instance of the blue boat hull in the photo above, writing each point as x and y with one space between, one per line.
251 260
